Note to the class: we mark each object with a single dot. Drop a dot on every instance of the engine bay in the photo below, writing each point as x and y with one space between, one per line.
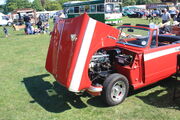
103 63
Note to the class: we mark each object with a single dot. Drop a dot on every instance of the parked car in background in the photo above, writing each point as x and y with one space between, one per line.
136 14
127 12
5 20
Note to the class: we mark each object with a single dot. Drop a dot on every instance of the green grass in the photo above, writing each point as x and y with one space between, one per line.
28 92
135 21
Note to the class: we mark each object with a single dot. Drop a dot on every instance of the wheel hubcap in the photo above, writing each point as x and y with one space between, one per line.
118 91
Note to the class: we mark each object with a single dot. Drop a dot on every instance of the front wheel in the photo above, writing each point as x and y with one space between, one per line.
115 89
9 24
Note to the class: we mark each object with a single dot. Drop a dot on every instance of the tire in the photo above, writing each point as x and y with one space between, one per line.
115 89
9 24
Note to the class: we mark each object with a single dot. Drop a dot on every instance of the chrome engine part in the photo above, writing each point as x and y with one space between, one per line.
99 66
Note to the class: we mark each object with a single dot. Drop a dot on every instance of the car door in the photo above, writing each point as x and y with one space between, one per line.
160 62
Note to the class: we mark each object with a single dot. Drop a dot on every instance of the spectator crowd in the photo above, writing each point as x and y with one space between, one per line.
42 25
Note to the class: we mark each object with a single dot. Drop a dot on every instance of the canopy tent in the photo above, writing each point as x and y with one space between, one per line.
25 10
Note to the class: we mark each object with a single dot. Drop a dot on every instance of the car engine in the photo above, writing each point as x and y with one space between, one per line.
101 64
124 59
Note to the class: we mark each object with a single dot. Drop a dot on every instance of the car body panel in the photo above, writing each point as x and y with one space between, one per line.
74 41
160 62
68 59
4 20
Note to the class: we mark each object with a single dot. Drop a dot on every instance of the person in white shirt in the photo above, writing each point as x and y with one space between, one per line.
165 16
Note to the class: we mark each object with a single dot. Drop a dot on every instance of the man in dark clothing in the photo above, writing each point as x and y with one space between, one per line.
178 16
28 28
39 25
27 19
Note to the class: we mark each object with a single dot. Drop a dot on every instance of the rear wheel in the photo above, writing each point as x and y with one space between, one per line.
115 89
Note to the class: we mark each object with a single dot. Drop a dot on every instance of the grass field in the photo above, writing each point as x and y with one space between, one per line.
28 92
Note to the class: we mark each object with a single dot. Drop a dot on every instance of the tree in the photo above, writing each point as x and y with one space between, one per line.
52 5
174 1
155 1
141 2
129 2
1 8
43 3
37 5
10 5
16 4
63 1
24 4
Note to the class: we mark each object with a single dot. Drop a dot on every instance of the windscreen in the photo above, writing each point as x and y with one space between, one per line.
5 18
113 8
134 36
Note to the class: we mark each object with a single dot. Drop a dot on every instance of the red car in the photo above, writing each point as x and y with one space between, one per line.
87 55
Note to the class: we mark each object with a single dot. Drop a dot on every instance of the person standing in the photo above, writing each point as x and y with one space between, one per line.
39 25
27 20
177 16
5 31
165 16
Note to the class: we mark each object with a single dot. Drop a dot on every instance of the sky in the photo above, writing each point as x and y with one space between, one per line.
3 1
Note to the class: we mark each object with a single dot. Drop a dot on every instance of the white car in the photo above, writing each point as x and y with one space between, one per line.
4 20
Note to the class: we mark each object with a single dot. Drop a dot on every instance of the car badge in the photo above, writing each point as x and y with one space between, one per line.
73 37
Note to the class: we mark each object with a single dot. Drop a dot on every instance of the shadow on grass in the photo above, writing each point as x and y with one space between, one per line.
55 98
51 96
97 102
162 98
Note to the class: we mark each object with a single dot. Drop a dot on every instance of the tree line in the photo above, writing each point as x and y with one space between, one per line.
49 5
38 5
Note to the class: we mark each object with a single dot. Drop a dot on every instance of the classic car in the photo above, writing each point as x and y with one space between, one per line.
87 55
